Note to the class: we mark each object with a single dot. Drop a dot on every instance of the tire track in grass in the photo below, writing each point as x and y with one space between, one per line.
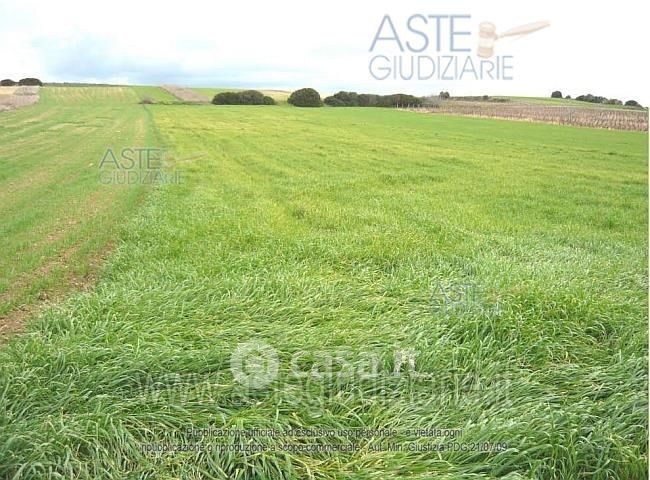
55 208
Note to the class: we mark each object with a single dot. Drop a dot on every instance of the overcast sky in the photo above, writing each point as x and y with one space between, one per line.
288 44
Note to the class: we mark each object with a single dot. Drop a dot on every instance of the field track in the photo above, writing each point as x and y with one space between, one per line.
58 221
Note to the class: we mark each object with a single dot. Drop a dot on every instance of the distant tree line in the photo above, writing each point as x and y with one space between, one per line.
7 82
81 84
597 99
245 97
354 99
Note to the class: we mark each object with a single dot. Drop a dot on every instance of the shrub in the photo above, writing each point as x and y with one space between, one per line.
247 97
7 83
332 101
556 94
226 98
568 97
30 82
251 97
611 101
586 98
444 95
147 100
591 98
305 97
343 99
349 99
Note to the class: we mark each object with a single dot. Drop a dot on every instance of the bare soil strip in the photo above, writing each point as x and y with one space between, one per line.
14 321
17 97
185 94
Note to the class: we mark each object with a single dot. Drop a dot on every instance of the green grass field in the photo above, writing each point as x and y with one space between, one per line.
57 219
329 235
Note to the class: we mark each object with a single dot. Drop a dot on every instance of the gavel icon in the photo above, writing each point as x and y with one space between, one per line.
487 35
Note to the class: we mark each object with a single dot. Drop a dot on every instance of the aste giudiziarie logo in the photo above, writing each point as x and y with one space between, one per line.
442 47
136 166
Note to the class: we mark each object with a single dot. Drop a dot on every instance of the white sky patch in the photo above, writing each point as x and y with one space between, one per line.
589 48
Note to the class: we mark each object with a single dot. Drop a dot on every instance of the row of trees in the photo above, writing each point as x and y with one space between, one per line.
354 99
597 99
246 97
305 97
7 82
308 97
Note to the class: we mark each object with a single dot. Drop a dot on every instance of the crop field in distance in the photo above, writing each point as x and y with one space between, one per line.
547 110
479 279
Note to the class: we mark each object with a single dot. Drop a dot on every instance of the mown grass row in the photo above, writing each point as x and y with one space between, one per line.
57 217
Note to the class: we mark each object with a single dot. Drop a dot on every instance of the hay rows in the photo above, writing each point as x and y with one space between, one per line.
617 119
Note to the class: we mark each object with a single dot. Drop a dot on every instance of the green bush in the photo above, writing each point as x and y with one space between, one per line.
7 83
247 97
251 97
343 99
226 98
305 97
599 99
352 99
556 94
334 102
30 82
